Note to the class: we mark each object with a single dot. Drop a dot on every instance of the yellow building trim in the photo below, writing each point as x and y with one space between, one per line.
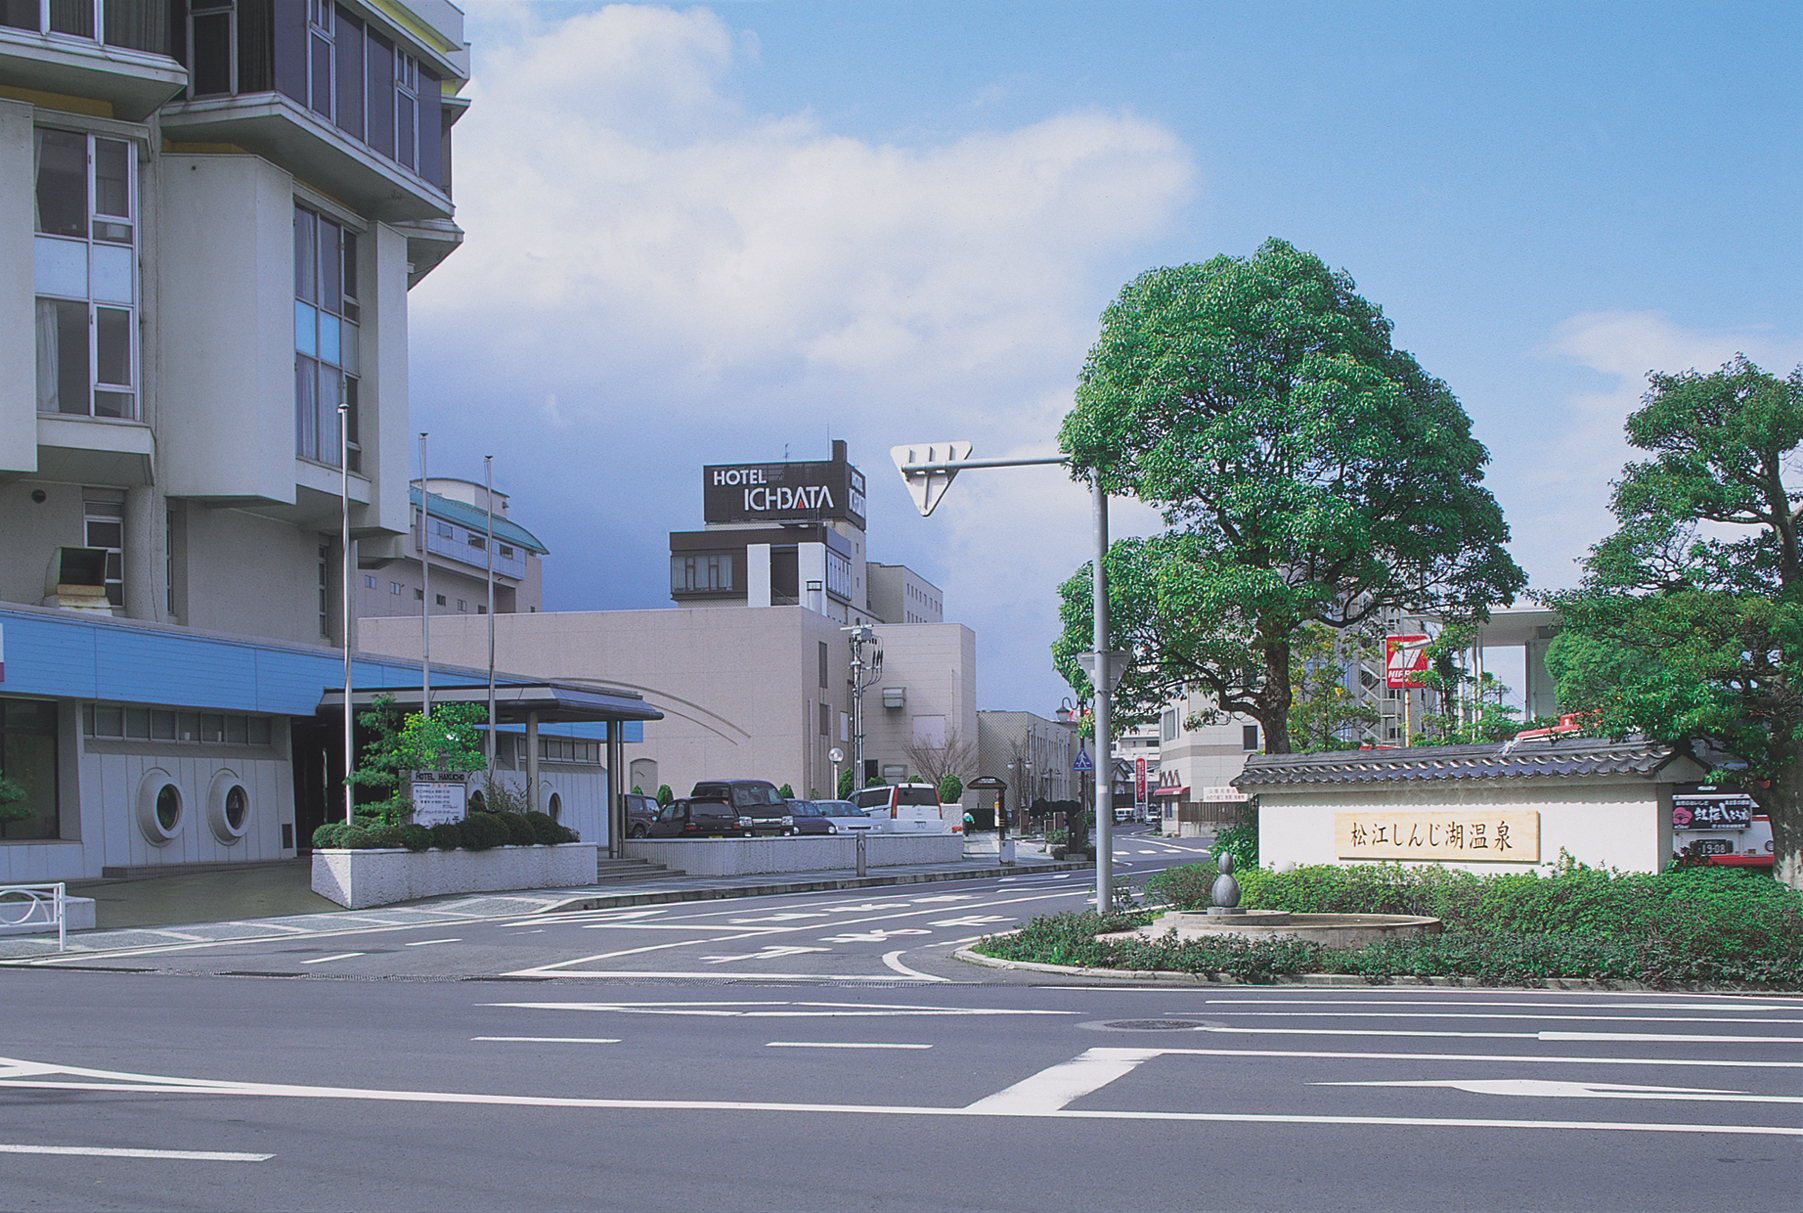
413 25
59 101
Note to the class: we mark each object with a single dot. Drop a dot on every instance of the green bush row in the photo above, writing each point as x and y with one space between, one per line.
1697 925
476 832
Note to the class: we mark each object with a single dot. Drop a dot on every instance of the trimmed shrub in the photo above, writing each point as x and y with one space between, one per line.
387 836
355 838
482 831
544 830
519 831
447 835
326 836
416 838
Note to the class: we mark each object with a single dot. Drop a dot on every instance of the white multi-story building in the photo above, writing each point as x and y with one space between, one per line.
211 213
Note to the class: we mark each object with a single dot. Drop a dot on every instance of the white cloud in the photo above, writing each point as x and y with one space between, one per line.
668 280
1560 506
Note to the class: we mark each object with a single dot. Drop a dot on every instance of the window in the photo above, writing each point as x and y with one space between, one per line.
137 25
505 551
112 721
826 720
406 111
327 339
28 758
1169 726
321 92
420 596
395 587
103 526
369 582
463 605
1249 737
213 45
700 574
440 598
481 609
325 589
85 273
823 670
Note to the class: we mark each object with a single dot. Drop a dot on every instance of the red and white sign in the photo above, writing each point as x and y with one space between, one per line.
1139 782
1404 658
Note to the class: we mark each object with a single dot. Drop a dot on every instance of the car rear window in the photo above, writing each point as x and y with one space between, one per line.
917 796
744 796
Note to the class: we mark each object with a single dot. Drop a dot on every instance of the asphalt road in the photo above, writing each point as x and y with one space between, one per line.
560 1064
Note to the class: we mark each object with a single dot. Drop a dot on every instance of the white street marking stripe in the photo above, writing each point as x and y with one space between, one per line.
420 943
1673 1038
1459 1014
779 1010
121 1152
893 961
1453 996
153 1084
757 975
1361 1055
553 1040
319 960
1055 1086
1541 1088
1593 1036
835 1044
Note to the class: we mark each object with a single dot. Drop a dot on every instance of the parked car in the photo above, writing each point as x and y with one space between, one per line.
809 819
910 808
641 811
696 819
761 811
844 817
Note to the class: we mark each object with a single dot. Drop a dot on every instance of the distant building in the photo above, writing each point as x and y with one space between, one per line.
1032 754
457 529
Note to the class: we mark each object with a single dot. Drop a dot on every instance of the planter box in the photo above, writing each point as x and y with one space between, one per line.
810 853
359 879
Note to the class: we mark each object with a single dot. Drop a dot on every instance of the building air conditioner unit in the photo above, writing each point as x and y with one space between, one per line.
895 697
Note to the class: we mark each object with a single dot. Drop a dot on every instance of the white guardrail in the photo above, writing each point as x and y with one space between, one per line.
35 905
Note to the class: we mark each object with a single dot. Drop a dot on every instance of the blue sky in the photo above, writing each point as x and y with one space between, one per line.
704 234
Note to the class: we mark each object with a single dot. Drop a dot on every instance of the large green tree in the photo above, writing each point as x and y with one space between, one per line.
1306 468
1689 623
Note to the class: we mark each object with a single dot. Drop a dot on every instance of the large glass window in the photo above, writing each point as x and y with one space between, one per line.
28 759
327 345
85 274
103 526
700 573
139 25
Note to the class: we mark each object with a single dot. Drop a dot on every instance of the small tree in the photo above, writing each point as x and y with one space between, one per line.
1322 708
664 794
447 742
951 790
956 758
847 783
786 792
14 803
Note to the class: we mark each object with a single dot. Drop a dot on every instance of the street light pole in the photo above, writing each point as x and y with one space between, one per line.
344 511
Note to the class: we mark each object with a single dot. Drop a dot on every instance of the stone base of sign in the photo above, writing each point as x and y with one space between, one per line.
1334 930
364 878
745 856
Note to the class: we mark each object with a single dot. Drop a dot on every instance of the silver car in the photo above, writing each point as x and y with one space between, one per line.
844 817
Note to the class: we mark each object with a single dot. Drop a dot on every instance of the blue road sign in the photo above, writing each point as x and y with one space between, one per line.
1082 762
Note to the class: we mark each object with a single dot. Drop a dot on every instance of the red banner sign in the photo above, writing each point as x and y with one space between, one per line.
1405 657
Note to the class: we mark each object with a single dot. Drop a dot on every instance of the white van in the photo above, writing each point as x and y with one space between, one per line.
909 808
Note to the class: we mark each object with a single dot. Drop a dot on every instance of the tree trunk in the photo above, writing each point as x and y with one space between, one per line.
1782 800
1278 695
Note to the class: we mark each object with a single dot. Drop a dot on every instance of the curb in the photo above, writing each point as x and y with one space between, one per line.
1340 981
666 896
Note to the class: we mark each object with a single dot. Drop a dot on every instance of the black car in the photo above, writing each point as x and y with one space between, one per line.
762 812
641 811
697 819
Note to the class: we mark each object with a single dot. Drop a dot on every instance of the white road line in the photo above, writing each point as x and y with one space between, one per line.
1541 1088
1592 1036
420 943
1055 1086
1362 1055
772 1010
114 1081
319 960
121 1152
710 975
1674 1038
1455 1013
553 1040
836 1044
1697 1004
893 961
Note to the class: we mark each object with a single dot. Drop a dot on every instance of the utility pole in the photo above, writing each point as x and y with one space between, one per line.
859 636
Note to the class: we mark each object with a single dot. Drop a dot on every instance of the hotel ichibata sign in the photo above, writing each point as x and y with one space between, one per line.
1477 836
782 492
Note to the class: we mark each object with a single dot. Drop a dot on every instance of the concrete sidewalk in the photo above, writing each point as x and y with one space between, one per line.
278 900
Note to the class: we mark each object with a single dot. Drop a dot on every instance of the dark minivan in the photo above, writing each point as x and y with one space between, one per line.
761 811
696 819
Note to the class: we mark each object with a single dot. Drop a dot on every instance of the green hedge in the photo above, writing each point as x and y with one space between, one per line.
476 832
1692 926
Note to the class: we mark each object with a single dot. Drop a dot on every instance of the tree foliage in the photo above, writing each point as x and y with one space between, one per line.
1323 710
1307 471
1689 623
447 741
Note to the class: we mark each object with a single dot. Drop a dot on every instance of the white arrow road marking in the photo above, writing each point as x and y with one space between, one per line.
1052 1088
870 907
948 897
1545 1088
877 936
420 943
972 920
83 1079
770 953
788 917
319 960
552 1040
120 1152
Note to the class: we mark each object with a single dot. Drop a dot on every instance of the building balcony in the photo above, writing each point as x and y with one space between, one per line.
282 130
94 450
128 70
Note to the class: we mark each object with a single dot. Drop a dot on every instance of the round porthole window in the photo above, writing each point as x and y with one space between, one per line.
159 807
228 807
555 807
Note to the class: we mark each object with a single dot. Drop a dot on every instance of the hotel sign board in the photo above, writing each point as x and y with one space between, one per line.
782 492
438 798
1477 836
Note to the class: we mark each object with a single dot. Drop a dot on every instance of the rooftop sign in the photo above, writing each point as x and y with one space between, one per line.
782 492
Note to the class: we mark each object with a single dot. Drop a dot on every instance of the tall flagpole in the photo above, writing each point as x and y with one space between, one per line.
425 592
488 484
344 510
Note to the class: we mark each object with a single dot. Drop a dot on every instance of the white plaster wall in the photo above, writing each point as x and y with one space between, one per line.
32 530
937 663
226 340
582 791
253 576
18 386
1614 824
113 775
384 430
739 856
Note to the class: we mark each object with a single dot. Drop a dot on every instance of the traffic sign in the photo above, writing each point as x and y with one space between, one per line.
928 488
1082 762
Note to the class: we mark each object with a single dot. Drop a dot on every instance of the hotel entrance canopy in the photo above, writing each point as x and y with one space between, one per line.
541 702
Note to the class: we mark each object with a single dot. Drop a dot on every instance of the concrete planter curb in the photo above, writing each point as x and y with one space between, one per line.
363 878
816 853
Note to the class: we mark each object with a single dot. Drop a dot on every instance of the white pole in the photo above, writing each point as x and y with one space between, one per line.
344 512
1104 761
425 591
488 483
